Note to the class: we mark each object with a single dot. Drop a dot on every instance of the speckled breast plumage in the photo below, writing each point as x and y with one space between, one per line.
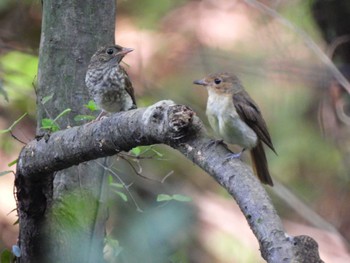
108 87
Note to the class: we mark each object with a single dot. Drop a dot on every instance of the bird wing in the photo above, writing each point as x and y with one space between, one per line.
128 87
250 113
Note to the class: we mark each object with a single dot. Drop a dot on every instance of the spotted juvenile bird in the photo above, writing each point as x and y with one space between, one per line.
237 119
107 80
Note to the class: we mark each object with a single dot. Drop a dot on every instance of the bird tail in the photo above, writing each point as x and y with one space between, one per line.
260 163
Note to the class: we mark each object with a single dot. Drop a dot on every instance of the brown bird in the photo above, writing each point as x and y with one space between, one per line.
237 119
107 80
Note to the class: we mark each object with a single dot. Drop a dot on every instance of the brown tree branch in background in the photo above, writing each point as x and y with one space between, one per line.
174 125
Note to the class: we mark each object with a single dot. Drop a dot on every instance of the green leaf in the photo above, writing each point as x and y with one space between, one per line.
49 124
84 117
6 256
116 185
12 163
5 172
110 179
182 198
136 151
13 124
91 105
55 128
46 99
163 198
122 196
4 131
46 123
176 197
157 153
62 113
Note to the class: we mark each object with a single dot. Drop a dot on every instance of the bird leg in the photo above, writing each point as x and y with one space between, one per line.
101 115
216 142
231 156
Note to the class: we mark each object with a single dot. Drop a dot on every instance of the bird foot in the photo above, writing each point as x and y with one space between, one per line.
101 116
231 156
216 142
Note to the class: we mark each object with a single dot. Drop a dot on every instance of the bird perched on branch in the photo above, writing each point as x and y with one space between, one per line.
107 80
237 119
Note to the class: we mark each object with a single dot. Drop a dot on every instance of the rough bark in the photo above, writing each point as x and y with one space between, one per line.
71 33
177 126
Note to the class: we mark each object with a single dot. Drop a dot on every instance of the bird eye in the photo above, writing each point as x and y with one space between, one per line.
110 51
217 81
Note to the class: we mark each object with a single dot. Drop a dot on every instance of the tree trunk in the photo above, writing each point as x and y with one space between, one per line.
52 229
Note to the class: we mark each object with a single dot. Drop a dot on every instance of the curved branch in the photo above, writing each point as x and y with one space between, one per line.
179 127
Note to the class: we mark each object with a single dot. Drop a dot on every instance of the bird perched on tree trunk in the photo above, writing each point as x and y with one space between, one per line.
237 119
107 80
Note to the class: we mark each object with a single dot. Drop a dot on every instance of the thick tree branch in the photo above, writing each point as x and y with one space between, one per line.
177 126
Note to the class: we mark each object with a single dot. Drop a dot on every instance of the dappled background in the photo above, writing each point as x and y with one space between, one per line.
280 53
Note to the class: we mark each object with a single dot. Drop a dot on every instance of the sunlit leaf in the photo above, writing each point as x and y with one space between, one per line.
176 197
91 105
13 124
116 185
110 179
122 196
4 131
62 114
12 163
46 123
163 198
182 198
49 124
136 151
157 153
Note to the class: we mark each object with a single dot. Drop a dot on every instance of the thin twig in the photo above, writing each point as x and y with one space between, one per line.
166 176
17 139
137 172
122 183
307 40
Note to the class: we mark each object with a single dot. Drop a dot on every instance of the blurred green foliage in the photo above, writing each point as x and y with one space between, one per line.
18 72
299 13
147 13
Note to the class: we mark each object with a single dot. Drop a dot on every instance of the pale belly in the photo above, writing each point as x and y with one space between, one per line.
227 124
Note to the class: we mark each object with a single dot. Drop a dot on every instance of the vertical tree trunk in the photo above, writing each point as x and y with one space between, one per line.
62 219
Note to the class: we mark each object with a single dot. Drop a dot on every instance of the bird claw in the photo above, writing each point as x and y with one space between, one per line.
216 142
231 156
101 116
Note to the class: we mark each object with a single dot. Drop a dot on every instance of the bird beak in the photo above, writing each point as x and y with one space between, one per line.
201 82
125 51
